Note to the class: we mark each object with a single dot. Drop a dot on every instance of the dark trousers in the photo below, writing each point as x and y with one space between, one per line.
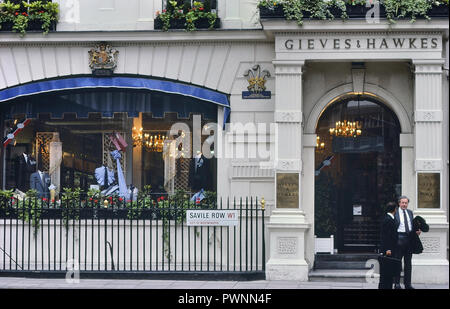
386 278
404 252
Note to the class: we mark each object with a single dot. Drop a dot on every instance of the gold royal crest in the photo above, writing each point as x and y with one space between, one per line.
103 59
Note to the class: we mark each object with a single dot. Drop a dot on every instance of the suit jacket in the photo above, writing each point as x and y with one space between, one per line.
199 178
40 186
408 212
388 235
22 172
418 223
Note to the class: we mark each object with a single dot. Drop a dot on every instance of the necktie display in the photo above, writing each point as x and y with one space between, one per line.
405 219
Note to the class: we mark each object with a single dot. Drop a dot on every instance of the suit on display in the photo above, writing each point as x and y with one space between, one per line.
40 182
24 166
199 174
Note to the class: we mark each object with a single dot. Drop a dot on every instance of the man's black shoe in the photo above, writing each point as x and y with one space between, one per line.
397 287
409 287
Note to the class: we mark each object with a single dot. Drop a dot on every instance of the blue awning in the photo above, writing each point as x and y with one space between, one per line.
83 86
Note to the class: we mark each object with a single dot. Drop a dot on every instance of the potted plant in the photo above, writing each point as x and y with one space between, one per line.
42 15
326 10
21 17
270 9
8 12
182 16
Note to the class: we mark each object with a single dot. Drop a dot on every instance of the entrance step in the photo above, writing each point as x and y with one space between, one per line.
343 275
344 261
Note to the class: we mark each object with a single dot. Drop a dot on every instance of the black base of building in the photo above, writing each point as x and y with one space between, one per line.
143 275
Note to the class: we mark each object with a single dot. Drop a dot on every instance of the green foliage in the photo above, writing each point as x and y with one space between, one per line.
183 10
30 210
70 205
406 8
21 24
319 9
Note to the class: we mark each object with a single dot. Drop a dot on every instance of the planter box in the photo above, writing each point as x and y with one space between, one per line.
353 12
439 11
277 12
7 26
36 25
201 23
33 26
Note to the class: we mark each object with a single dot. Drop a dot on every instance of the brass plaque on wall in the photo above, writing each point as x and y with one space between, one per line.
287 190
428 190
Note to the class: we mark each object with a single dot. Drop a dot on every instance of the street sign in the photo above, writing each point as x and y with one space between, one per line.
212 217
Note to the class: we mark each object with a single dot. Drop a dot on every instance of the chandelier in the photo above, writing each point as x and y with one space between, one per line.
319 145
151 142
346 128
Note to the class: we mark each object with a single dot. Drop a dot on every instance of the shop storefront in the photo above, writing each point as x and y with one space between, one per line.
70 134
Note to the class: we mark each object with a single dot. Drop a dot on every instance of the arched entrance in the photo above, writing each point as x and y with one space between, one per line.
357 171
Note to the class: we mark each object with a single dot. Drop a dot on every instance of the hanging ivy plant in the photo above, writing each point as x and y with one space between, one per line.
328 10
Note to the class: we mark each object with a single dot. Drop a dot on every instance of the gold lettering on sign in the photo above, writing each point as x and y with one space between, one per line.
429 190
287 190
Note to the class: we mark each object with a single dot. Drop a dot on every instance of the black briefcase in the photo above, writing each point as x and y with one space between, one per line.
390 265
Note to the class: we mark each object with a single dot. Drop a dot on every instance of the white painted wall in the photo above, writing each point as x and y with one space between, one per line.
107 15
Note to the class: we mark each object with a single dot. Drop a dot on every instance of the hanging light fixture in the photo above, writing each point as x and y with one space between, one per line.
346 128
319 145
153 143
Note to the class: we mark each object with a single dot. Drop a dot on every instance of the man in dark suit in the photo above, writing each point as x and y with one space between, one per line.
388 245
404 218
40 182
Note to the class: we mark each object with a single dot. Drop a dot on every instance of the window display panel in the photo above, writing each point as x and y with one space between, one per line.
116 153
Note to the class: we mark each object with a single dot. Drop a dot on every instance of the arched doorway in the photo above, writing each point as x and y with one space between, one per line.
358 170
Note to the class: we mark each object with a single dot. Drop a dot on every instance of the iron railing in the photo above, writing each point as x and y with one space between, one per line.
148 236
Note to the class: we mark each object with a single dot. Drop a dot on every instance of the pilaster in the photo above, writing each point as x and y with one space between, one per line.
288 225
432 265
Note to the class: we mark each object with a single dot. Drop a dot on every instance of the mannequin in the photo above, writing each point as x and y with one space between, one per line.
105 177
24 166
199 173
40 181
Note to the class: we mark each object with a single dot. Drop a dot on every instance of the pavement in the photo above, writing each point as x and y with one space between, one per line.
38 283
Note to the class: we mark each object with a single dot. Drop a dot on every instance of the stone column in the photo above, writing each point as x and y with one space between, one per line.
287 224
432 265
55 161
307 195
137 157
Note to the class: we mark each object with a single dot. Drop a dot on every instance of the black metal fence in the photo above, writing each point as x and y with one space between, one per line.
148 237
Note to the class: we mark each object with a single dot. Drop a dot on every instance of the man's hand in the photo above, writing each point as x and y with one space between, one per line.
388 252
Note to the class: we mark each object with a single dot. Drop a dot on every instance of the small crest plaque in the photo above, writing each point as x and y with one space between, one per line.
103 59
256 84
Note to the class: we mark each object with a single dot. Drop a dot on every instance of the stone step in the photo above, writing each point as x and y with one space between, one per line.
341 265
354 257
343 275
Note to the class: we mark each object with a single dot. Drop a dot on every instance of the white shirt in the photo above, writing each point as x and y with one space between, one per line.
26 158
401 227
391 215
